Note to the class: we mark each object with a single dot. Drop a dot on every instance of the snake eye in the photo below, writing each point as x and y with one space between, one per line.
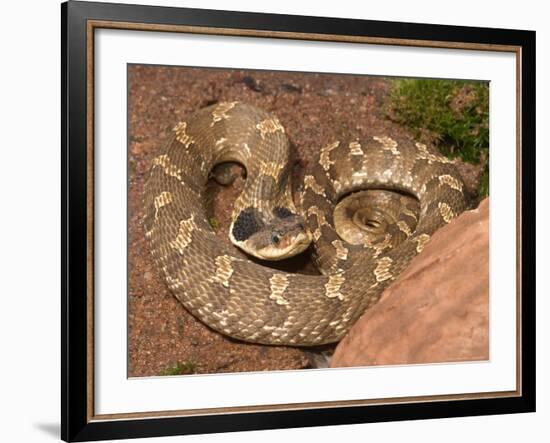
275 238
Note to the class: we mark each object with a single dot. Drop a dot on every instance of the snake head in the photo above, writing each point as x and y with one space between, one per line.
283 236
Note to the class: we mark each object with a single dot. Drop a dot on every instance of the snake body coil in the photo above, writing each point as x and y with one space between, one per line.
251 302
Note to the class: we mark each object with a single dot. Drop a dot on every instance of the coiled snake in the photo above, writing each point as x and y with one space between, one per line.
410 193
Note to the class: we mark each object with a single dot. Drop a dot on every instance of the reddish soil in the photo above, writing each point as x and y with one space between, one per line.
314 109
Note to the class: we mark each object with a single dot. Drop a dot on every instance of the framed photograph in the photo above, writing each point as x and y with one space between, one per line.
275 221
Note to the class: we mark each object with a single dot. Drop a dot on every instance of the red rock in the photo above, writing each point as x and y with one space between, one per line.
438 310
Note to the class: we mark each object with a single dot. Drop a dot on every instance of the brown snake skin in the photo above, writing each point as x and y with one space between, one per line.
254 303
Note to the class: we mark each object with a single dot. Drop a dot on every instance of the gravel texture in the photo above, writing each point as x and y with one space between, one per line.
314 109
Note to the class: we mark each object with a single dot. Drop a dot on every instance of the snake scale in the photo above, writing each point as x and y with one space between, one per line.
416 192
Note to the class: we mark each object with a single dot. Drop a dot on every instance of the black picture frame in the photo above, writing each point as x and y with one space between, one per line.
77 423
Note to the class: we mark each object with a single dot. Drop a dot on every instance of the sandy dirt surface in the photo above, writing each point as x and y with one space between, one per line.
314 109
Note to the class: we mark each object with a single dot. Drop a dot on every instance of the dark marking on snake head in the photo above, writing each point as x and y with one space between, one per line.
247 224
289 219
282 212
291 224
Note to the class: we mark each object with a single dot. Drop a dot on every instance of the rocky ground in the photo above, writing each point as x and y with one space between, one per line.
163 338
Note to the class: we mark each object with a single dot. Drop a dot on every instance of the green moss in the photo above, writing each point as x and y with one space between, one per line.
187 367
453 114
483 190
